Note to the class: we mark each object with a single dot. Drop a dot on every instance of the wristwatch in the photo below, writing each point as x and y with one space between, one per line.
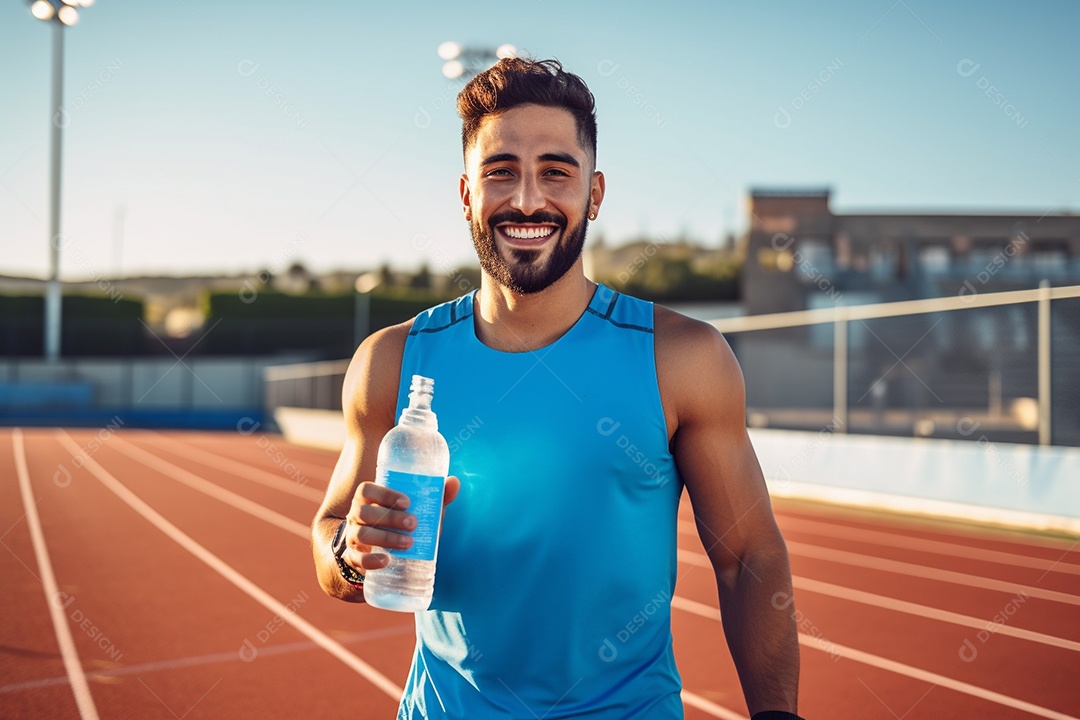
338 545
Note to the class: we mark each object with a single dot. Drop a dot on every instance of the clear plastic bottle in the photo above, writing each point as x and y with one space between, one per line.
414 459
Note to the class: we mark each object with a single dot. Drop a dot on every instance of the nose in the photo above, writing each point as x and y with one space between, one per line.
528 197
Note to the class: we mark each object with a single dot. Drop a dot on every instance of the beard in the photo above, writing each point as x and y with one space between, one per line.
524 272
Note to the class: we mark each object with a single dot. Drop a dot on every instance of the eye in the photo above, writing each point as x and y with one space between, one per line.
498 172
558 172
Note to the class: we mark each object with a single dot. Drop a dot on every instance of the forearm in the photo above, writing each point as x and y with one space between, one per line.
759 623
326 567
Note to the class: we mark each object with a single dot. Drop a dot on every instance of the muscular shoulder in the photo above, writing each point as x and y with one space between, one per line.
698 374
371 382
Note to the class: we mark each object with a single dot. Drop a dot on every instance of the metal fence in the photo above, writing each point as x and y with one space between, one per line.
997 366
1003 367
304 385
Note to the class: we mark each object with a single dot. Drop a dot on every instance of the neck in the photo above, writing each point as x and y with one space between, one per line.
513 322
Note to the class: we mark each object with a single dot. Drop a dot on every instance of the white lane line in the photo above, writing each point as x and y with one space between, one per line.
922 571
274 518
899 668
241 582
686 527
901 568
276 448
873 562
270 516
973 530
212 659
937 547
882 601
710 707
931 613
208 488
239 469
79 687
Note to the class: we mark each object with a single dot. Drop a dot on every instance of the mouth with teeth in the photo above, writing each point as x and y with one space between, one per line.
527 253
527 235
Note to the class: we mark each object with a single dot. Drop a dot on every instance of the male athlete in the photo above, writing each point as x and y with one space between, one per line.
576 415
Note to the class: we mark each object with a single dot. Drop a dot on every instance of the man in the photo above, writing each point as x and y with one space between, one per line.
575 416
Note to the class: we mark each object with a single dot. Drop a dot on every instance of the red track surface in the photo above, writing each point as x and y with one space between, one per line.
196 598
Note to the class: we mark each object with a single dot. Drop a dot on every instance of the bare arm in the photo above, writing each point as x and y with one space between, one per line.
369 399
703 388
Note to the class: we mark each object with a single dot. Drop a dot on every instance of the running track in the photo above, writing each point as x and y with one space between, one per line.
168 575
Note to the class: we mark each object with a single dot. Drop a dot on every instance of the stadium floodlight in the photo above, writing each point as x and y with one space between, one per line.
450 50
61 14
453 69
68 15
42 10
465 62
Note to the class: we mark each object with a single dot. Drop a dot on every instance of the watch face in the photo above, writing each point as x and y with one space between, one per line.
340 539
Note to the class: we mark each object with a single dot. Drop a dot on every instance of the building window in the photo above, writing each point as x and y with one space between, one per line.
934 259
772 260
1048 262
813 258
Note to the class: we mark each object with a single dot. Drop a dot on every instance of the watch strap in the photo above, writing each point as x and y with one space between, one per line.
350 575
338 546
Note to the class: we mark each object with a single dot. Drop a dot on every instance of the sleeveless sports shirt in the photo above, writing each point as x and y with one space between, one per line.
557 560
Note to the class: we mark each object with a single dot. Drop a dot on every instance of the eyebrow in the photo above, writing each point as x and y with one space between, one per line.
560 157
546 157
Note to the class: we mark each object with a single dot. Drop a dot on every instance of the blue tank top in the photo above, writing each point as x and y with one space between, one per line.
557 560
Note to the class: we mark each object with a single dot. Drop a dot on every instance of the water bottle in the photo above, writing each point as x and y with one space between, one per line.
414 459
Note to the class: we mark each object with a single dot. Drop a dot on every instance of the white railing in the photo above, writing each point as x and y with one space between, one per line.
305 385
318 385
840 316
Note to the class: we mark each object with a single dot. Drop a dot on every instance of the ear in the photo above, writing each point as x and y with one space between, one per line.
596 193
466 197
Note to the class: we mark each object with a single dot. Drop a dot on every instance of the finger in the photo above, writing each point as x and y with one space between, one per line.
372 561
368 536
365 561
450 490
379 516
370 493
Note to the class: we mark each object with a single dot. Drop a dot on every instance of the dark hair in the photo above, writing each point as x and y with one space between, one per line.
516 81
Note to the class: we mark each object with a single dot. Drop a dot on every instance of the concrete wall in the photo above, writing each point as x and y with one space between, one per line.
159 392
1021 485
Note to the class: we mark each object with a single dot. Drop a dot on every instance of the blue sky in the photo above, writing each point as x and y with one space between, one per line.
238 135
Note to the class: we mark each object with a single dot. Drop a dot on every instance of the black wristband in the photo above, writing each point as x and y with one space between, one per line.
338 546
775 715
350 575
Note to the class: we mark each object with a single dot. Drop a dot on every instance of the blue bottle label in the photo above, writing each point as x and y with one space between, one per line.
425 502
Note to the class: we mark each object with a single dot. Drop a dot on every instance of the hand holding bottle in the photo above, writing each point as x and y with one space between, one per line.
414 462
379 518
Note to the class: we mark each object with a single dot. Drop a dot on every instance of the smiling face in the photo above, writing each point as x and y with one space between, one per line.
527 192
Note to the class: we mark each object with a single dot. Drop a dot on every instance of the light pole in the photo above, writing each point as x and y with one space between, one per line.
61 14
362 306
464 62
